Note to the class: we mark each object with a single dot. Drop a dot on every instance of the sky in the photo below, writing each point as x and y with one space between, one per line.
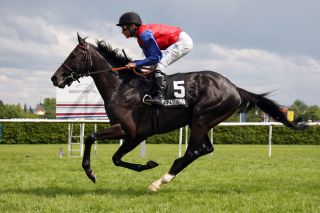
261 46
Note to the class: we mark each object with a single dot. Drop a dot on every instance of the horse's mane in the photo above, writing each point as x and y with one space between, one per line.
112 55
116 59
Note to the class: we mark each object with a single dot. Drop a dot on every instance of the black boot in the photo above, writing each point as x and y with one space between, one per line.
161 87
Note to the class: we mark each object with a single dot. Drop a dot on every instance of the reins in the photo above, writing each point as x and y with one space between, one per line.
134 70
74 75
116 69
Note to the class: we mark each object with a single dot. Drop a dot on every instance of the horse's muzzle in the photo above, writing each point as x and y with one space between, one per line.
56 83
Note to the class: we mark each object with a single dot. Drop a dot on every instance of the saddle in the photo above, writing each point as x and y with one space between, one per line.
176 92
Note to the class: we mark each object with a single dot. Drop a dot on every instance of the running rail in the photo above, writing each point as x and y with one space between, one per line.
22 120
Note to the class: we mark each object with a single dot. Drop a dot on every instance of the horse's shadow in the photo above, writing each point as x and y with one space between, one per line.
51 192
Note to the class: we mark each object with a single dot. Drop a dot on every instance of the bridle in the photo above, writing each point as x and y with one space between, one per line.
75 75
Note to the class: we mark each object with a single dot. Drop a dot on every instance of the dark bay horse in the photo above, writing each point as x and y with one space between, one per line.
213 99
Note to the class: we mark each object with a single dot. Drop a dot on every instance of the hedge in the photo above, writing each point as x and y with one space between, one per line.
57 133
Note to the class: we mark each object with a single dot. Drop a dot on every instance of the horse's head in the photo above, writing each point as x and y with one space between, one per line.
77 64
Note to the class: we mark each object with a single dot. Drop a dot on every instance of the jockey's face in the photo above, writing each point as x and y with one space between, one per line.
126 30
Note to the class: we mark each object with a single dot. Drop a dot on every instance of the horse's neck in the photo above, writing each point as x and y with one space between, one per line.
106 82
105 86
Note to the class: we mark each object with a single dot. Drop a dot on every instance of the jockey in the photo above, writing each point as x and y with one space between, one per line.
162 45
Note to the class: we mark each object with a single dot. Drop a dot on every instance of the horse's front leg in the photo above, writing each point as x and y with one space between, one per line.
113 132
127 146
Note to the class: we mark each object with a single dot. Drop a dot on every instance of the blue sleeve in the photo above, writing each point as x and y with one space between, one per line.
151 50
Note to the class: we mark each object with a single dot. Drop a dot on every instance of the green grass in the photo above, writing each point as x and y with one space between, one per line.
238 178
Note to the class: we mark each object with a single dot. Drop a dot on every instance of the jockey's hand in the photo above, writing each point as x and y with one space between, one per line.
131 65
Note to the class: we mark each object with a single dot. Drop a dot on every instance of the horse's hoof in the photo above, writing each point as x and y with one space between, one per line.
153 188
92 176
151 164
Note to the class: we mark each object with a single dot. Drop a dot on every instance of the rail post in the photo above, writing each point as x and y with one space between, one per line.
270 140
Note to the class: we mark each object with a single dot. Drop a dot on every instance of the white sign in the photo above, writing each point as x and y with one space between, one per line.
80 100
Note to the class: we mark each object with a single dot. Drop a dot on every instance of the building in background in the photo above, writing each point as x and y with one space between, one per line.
39 110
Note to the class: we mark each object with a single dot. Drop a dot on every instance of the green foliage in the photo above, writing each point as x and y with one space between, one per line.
313 113
250 135
299 107
50 108
34 133
8 111
55 133
260 135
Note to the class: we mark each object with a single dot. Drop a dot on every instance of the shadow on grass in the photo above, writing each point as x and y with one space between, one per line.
55 192
50 192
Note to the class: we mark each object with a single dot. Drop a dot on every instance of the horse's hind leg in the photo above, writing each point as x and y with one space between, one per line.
199 145
113 132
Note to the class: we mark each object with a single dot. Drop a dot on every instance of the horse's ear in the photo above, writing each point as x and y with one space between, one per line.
80 40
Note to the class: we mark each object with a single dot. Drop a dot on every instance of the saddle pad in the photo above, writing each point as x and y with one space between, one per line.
176 95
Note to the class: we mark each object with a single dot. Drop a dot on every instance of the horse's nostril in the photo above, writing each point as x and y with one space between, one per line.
54 79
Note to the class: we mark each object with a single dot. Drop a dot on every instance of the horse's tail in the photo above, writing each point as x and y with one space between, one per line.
249 100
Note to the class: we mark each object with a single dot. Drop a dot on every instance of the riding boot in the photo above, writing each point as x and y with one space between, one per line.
161 87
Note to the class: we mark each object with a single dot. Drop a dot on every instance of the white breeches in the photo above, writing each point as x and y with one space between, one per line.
175 51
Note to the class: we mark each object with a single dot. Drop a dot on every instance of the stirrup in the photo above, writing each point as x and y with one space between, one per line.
146 99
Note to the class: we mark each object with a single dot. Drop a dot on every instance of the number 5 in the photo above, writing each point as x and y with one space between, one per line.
179 89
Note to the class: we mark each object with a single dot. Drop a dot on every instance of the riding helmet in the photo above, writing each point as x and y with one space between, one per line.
129 18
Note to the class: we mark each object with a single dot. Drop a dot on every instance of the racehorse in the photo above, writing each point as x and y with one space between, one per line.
212 98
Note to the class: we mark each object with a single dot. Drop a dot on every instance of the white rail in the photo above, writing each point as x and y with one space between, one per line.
18 120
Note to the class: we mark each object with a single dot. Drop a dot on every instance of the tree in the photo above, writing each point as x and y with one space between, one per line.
50 107
30 110
8 111
313 113
25 109
299 108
